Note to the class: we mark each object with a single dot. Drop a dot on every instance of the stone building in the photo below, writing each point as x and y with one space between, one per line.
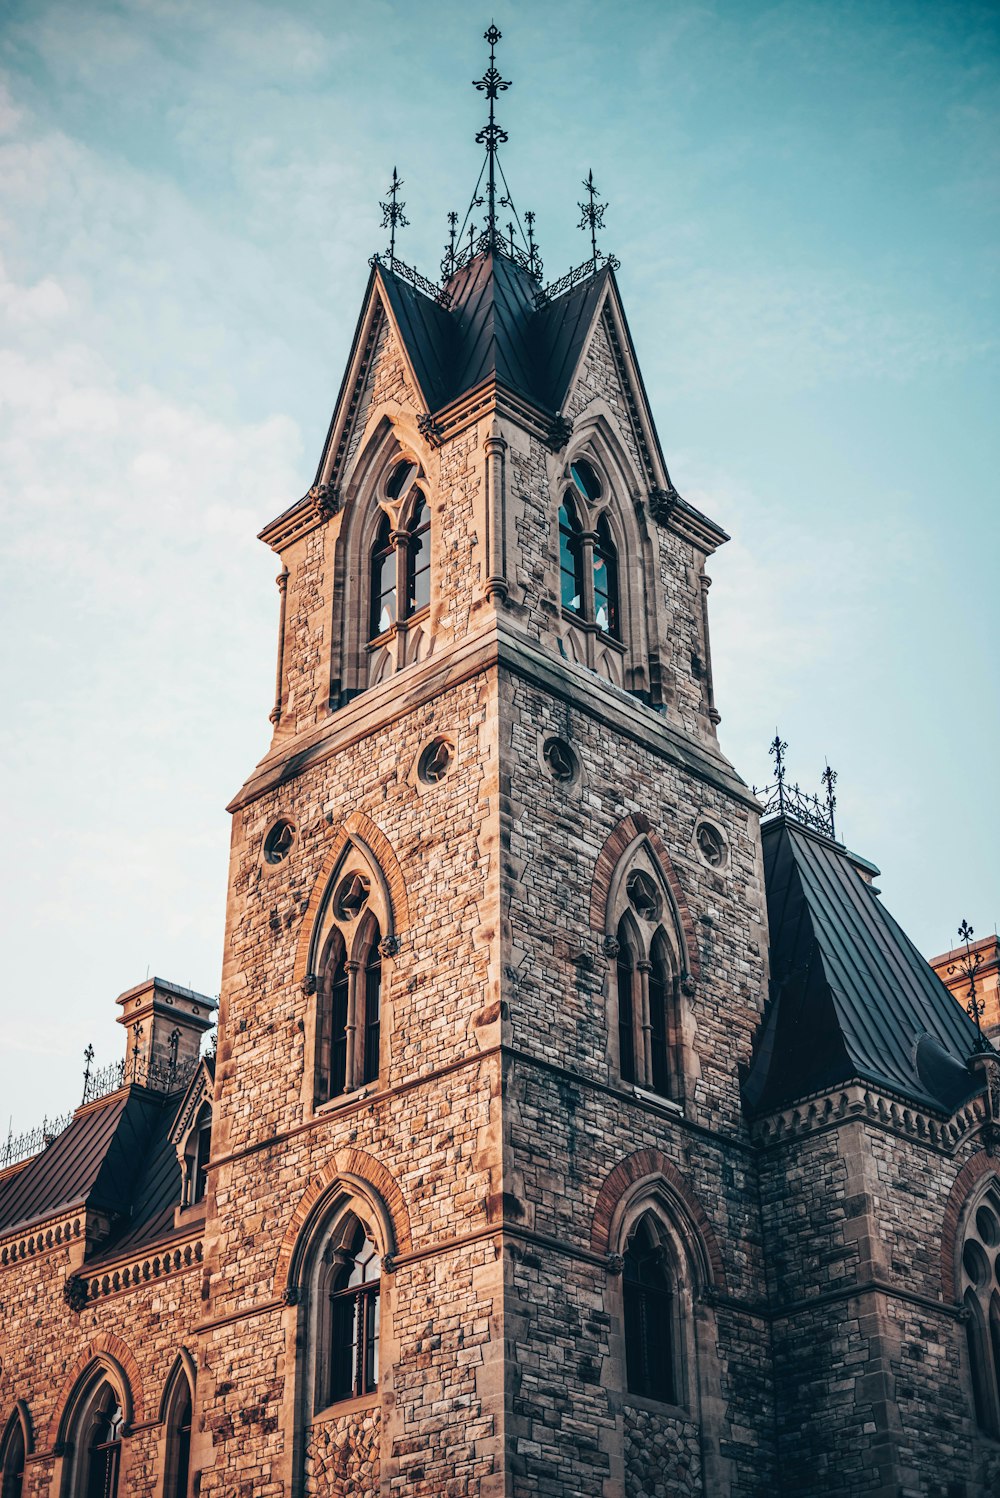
569 1132
978 962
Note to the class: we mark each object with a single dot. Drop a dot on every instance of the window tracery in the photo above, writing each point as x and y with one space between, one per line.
588 556
347 1323
400 554
980 1289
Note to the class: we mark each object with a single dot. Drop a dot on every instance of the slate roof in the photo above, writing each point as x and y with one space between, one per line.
850 994
493 330
114 1156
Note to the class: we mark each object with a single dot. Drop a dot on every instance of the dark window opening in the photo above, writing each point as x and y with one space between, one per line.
400 479
570 558
373 1009
605 580
418 558
202 1154
181 1437
354 1321
660 989
331 1023
649 1311
383 581
104 1448
585 479
13 1461
626 1009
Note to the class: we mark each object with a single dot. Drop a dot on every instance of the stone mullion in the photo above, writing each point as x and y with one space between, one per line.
587 541
645 968
351 1065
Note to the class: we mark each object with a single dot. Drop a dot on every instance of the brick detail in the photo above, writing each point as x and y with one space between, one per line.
610 857
640 1166
346 1164
365 830
112 1353
981 1164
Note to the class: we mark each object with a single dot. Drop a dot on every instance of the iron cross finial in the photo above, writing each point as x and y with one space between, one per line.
593 215
491 136
393 216
534 259
829 779
448 263
970 965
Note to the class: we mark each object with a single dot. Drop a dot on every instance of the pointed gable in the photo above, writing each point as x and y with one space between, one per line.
851 995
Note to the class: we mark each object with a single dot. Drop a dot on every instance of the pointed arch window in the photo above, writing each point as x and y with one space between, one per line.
198 1154
981 1300
627 974
331 1021
418 558
570 557
400 557
372 1004
606 580
383 580
347 1362
349 995
12 1456
645 1006
648 1294
179 1416
103 1433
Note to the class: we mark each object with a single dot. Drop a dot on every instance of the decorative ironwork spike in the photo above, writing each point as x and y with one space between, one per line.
970 965
510 236
393 216
491 136
829 779
593 215
777 748
448 263
534 262
88 1059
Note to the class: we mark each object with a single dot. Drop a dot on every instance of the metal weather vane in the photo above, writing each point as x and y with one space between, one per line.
593 216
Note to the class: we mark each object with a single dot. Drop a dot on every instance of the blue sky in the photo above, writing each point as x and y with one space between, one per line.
804 198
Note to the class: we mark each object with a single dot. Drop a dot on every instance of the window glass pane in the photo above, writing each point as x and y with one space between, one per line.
383 581
626 1031
659 991
648 1306
586 479
373 1008
400 479
418 559
570 559
605 580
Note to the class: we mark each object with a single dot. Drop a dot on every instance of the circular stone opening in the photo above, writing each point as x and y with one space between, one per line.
278 842
436 760
711 845
975 1263
560 759
352 896
987 1227
643 895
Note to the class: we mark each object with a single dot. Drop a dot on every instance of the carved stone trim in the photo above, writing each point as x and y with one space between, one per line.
430 430
559 433
662 503
856 1100
389 946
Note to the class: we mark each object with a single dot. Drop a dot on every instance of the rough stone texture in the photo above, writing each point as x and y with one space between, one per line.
342 1456
662 1455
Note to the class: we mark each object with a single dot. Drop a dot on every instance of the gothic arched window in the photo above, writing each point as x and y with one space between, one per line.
101 1431
981 1302
331 1020
570 557
197 1155
348 1324
372 978
418 557
627 975
649 1300
645 997
383 580
606 580
12 1455
662 1020
178 1419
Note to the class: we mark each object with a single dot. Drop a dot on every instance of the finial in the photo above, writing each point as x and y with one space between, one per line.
777 749
970 965
88 1058
510 236
829 779
534 259
593 216
448 263
393 215
491 136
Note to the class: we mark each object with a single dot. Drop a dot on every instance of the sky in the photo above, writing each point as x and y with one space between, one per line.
804 199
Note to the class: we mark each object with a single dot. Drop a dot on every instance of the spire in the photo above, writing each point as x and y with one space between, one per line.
492 135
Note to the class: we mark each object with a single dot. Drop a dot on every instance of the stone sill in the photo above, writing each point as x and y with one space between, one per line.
348 1407
665 1104
655 1406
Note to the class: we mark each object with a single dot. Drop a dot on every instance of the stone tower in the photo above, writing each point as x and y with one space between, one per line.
482 1216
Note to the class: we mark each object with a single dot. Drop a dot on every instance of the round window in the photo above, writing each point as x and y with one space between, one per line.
711 845
644 897
352 896
436 760
278 842
560 759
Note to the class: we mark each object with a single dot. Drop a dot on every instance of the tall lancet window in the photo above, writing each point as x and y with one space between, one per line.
348 983
627 975
570 557
104 1445
980 1282
606 580
331 1021
645 988
349 1325
648 1294
383 580
372 1027
12 1460
418 558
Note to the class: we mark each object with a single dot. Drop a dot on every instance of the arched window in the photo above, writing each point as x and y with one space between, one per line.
648 1299
418 558
347 1362
663 1020
197 1155
570 557
102 1432
627 974
981 1299
606 580
372 1003
12 1455
383 580
332 996
177 1474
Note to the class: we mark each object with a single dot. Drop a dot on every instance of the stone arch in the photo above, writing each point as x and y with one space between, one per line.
968 1179
352 1172
19 1415
183 1366
619 841
111 1354
648 1173
371 841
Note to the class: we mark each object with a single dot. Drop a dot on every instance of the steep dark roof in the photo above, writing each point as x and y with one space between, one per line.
850 994
492 329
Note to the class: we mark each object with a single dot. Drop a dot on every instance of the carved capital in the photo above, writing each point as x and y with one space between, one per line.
309 983
325 498
389 1263
688 985
615 1264
291 1295
611 946
389 946
662 503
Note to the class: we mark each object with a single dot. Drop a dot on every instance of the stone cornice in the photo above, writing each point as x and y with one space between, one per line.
58 1231
859 1101
495 646
129 1271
